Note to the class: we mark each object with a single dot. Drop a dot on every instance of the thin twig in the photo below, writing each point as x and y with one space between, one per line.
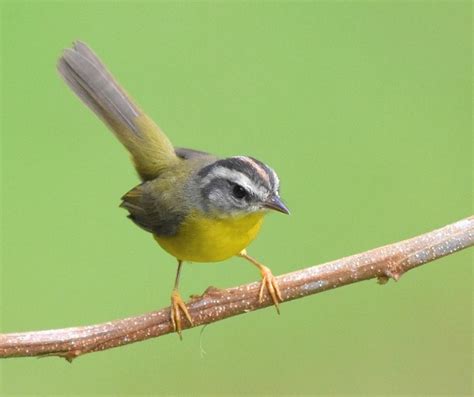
386 262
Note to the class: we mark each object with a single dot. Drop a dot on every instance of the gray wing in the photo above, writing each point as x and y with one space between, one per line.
159 206
152 211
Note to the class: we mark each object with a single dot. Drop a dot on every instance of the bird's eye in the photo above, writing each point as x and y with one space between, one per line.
239 192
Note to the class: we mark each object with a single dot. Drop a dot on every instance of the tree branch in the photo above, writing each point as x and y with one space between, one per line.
386 262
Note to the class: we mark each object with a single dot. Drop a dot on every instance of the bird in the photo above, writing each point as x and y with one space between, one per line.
198 207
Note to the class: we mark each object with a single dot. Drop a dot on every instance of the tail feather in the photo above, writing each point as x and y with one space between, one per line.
90 80
104 95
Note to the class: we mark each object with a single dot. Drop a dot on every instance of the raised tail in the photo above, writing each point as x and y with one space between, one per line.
87 76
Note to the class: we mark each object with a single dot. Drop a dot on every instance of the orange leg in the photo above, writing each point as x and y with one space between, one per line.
178 305
268 281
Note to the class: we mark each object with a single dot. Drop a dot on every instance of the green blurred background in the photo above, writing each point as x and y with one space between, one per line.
363 108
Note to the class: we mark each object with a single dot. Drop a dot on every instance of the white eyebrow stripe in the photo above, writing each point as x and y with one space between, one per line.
236 177
231 175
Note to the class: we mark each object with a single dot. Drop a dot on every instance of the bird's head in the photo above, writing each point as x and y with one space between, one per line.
238 186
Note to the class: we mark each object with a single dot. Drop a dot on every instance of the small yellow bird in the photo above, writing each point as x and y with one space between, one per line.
198 207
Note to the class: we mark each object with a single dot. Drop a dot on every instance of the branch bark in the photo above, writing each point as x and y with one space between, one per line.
383 263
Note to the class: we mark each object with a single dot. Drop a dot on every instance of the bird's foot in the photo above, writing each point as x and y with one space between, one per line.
178 305
269 282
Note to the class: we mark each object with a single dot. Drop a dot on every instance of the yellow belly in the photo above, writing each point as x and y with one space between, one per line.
202 239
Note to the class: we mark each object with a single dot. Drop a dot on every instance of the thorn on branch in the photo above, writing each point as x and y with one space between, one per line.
395 271
210 291
71 355
393 274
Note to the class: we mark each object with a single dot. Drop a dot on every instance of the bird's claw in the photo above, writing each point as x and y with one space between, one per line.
269 282
178 305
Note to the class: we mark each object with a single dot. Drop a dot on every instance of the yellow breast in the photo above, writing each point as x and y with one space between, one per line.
204 239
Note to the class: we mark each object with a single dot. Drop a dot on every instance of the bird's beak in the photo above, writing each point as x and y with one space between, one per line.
275 203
